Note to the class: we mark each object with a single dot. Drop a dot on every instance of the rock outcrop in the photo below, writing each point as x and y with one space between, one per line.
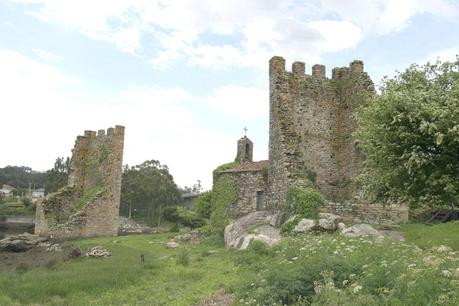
361 230
24 242
254 226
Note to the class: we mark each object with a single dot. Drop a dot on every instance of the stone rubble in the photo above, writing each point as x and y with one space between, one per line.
98 251
129 226
172 245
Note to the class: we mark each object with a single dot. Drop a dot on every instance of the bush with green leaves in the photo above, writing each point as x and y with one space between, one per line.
410 137
202 205
26 201
170 214
189 218
304 202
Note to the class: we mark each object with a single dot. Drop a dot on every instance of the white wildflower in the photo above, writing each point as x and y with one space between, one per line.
357 288
446 273
444 249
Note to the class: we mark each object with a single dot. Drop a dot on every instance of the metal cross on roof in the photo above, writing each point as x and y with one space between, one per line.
245 131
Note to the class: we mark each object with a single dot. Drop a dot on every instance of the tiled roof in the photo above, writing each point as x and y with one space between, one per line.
249 166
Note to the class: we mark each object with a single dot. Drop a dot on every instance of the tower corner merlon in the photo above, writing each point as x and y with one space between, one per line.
276 65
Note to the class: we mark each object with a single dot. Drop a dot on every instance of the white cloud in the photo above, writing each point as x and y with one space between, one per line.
387 16
182 29
241 102
263 27
448 54
46 56
43 110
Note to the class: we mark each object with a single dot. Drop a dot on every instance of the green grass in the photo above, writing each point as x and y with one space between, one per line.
426 236
6 209
122 279
321 269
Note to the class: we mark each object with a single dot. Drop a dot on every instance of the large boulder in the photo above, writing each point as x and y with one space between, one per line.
305 226
251 227
361 230
23 242
329 222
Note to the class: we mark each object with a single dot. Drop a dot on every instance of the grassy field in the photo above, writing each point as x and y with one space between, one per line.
428 236
303 270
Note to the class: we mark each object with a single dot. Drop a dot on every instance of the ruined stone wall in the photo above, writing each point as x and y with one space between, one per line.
89 204
369 213
311 126
247 184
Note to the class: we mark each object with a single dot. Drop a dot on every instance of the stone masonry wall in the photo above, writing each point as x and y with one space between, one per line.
89 205
247 184
311 126
369 213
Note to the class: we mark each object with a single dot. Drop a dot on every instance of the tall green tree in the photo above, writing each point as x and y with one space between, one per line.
410 136
57 177
148 188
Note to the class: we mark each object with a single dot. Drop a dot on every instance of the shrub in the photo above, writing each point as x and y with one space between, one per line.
170 214
174 228
304 202
26 201
202 205
189 218
260 248
183 257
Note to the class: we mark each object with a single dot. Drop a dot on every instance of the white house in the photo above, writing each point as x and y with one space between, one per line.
6 189
38 193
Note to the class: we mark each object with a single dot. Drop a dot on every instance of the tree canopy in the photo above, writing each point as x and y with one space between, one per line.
410 136
147 189
57 177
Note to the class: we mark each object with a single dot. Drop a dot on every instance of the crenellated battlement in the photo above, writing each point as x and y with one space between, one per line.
318 71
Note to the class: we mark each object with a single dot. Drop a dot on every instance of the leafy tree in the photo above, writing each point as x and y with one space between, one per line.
56 178
410 136
148 188
196 188
20 177
202 205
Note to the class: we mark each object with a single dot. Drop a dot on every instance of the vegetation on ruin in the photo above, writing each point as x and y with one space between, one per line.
410 136
324 269
224 194
87 197
227 166
304 202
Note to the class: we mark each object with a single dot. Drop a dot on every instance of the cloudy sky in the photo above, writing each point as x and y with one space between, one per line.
185 76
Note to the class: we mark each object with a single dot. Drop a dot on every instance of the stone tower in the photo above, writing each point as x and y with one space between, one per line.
311 125
244 150
89 204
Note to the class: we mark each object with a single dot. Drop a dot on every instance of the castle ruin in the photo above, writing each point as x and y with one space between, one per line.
89 205
310 140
